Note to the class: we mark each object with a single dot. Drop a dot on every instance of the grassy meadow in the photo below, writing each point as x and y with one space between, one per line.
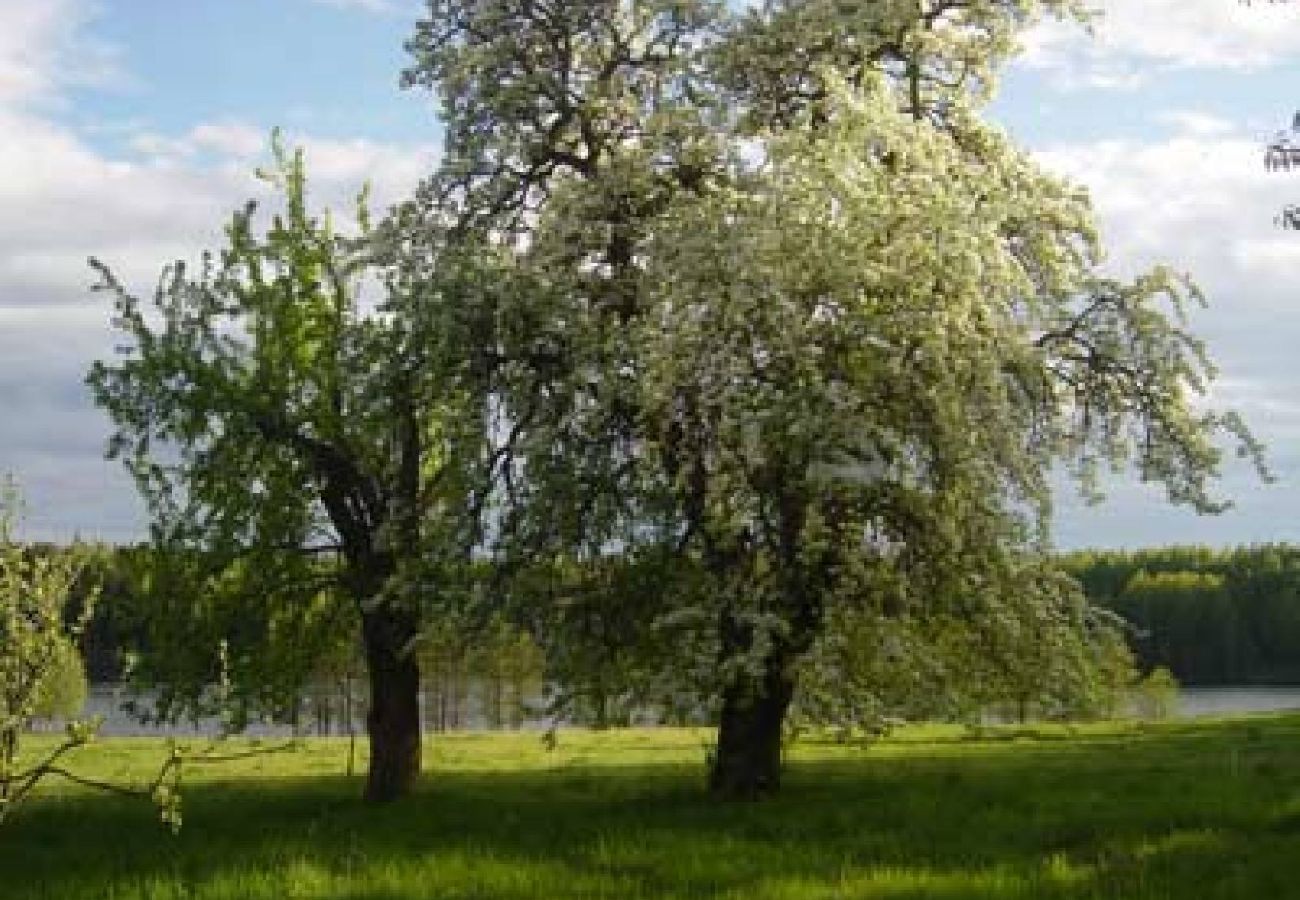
1203 809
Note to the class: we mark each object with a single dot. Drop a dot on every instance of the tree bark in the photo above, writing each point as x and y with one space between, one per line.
393 720
747 764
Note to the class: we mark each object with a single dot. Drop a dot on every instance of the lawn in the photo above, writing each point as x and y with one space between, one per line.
1180 810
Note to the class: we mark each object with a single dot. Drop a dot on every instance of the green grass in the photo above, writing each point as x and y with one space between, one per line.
1185 810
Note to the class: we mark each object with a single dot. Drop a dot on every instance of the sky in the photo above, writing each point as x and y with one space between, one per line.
129 129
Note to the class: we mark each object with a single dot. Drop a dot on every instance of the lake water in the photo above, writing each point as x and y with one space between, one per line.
1223 701
105 700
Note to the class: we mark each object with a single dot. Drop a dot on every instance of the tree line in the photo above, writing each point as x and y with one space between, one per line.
488 675
1212 616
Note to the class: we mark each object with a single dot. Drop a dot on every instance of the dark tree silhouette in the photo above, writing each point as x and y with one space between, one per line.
1283 152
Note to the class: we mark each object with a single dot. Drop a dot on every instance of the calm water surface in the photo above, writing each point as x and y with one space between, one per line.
1223 701
1192 702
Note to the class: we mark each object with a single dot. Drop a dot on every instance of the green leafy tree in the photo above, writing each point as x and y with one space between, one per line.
63 693
609 658
38 652
41 673
1038 650
1156 695
287 418
788 307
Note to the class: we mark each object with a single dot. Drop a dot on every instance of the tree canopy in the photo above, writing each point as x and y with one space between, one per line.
797 313
300 434
746 308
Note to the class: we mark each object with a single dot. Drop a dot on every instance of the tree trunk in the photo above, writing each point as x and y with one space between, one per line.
393 719
9 756
747 764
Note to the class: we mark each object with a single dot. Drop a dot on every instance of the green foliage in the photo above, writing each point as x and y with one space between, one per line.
254 342
612 656
306 445
1044 653
788 309
39 664
41 675
1227 616
1156 695
63 691
1114 673
735 337
235 373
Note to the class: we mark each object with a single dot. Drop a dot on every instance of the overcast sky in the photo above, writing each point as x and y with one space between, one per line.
130 128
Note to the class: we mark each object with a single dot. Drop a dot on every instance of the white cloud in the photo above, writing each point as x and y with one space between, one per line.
1204 204
61 202
44 47
202 143
336 167
1196 124
63 199
374 6
1132 36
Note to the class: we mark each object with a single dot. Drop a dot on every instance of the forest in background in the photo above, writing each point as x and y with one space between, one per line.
484 674
1211 616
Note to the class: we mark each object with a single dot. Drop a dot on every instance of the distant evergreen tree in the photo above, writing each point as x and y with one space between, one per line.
1229 616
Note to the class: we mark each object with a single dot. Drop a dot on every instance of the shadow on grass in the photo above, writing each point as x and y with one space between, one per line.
1177 811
